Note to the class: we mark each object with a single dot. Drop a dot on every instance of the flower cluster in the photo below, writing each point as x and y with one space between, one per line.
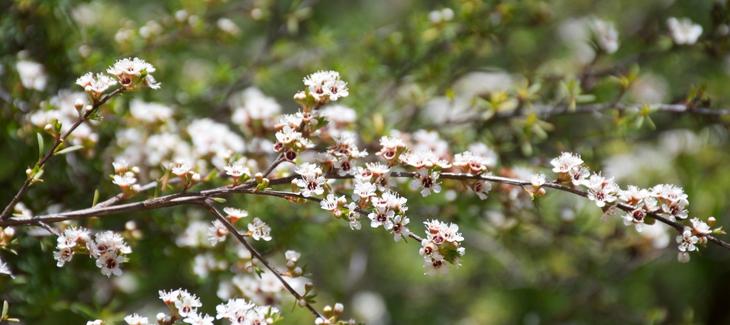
131 72
662 200
95 85
684 31
340 156
389 212
241 311
442 244
125 176
325 86
108 248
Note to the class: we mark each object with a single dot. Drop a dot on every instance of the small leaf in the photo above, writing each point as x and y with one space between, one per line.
6 307
219 200
41 145
96 198
68 149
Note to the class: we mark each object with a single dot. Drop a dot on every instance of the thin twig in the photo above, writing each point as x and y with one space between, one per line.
242 239
248 187
51 151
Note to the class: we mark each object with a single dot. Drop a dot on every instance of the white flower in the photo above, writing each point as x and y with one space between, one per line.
635 217
32 74
95 85
199 319
481 189
427 182
684 31
566 162
381 216
440 16
634 196
130 71
5 269
108 242
110 264
217 232
150 112
700 227
237 169
180 168
333 203
363 191
292 256
325 86
353 216
125 180
601 190
671 200
390 147
135 319
399 228
537 180
234 214
259 230
169 297
471 163
687 240
605 34
95 322
311 180
187 304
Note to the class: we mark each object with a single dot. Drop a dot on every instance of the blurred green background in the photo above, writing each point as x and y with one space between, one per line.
552 262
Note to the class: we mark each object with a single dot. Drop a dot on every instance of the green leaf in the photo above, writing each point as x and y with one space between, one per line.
41 145
68 149
96 197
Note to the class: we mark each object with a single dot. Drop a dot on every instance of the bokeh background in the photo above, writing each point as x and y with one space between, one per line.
552 261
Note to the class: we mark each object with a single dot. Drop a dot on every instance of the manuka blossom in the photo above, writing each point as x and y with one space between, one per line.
183 302
237 169
135 319
132 71
71 240
234 214
481 189
427 181
605 35
391 148
601 190
684 31
326 86
363 190
399 228
5 269
259 230
311 180
110 251
240 311
381 216
199 319
217 232
441 245
333 204
672 201
95 85
424 159
569 167
469 162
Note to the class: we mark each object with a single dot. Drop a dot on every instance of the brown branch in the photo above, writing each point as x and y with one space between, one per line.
242 239
248 188
58 140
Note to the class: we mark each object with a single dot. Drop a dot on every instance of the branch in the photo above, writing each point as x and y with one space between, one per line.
248 188
242 239
6 213
547 111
